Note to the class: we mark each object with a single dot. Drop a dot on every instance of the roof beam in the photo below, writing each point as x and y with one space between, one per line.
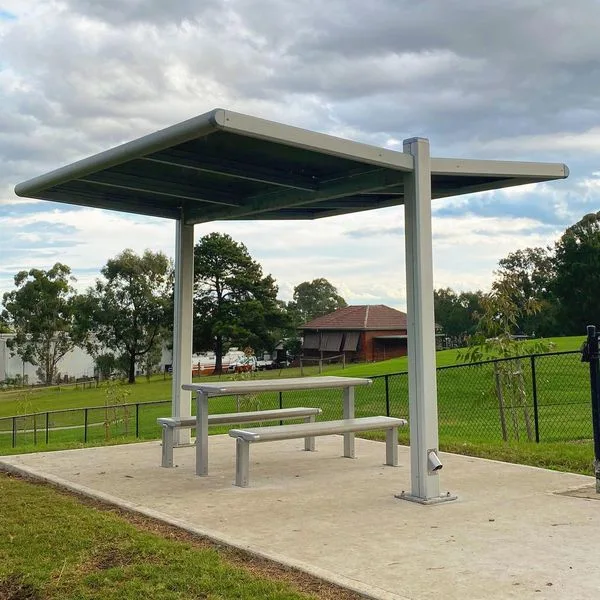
351 208
495 184
498 168
166 189
88 201
230 168
310 140
154 142
379 179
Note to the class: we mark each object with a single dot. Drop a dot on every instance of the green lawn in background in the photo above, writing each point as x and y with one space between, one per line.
53 546
443 359
13 402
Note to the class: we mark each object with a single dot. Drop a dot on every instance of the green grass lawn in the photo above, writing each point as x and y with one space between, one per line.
14 402
29 400
443 358
54 546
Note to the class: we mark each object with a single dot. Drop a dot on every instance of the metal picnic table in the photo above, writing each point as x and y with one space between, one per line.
204 391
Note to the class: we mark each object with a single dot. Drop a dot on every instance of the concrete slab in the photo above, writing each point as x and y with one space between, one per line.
512 533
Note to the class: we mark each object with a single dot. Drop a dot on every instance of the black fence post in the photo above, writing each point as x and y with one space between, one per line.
592 356
14 432
85 425
387 395
47 426
536 422
137 420
281 404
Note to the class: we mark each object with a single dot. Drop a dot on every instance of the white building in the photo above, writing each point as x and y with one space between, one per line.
77 363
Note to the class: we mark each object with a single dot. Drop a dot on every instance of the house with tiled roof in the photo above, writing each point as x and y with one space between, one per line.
362 333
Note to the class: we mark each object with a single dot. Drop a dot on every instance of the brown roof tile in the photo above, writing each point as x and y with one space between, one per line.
366 316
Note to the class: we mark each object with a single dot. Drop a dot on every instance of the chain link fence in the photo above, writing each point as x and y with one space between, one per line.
538 398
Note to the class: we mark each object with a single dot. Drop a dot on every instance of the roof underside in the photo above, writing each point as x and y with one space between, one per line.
224 165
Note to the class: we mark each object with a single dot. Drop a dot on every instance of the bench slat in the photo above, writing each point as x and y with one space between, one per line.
261 415
288 432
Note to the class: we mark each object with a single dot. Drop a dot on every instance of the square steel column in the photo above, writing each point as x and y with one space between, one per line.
183 326
422 385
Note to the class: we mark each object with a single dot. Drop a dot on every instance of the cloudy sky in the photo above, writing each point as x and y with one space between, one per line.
518 79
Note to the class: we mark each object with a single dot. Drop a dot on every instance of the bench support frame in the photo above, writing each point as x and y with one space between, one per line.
242 453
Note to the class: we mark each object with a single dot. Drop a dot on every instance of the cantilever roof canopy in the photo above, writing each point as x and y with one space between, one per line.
225 165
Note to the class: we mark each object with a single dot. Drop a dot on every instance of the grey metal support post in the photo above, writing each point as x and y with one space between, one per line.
183 326
422 386
202 435
349 414
242 462
391 447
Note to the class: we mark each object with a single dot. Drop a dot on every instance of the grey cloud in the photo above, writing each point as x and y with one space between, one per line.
464 73
118 12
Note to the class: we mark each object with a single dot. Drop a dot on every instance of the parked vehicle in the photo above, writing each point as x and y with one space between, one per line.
244 364
263 365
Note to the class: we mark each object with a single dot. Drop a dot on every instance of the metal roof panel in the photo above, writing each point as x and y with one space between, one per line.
224 165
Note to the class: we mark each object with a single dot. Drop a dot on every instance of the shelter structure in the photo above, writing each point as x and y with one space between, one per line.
224 165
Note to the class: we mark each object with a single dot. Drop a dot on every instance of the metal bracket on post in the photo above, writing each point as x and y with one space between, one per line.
591 354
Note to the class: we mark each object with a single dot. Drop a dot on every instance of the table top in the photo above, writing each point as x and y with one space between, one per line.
226 388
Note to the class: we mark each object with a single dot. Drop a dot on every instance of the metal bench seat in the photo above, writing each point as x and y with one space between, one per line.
170 424
244 437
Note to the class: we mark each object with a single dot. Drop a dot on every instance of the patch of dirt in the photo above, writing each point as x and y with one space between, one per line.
14 587
108 557
258 566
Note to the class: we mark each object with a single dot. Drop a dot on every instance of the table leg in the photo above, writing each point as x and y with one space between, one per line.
349 414
201 434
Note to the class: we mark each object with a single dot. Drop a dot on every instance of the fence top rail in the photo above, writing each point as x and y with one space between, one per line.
84 408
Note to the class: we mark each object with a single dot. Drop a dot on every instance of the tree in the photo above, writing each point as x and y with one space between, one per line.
40 313
502 308
532 273
456 313
577 274
234 303
4 327
314 299
128 311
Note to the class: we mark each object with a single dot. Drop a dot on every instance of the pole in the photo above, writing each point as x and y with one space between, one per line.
183 326
593 355
536 422
280 404
387 395
422 385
